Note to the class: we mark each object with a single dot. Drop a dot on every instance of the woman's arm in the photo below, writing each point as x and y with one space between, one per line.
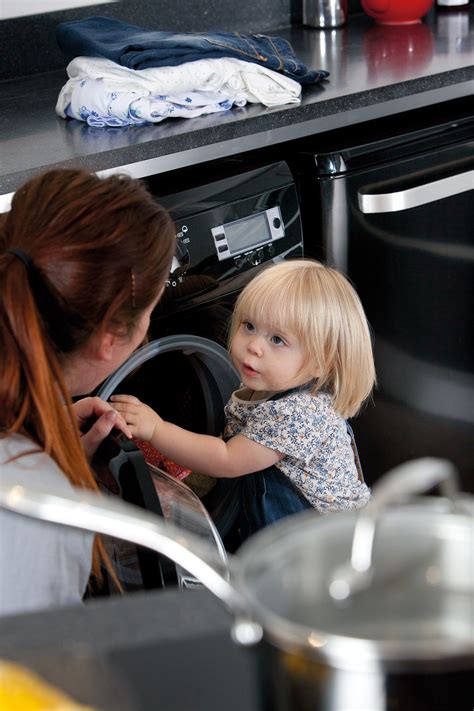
203 453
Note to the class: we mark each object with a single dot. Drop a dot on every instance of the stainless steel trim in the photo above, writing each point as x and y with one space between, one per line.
330 164
335 223
419 195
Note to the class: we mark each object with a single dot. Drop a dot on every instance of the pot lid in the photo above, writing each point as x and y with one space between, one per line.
415 601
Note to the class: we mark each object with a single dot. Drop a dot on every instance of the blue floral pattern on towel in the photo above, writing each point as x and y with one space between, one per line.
92 103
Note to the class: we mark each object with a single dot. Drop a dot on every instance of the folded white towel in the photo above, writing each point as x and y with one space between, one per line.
91 102
102 92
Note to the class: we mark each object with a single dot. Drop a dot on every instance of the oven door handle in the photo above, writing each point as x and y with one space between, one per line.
419 195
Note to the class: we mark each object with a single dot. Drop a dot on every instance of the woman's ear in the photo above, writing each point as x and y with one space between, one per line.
107 342
103 348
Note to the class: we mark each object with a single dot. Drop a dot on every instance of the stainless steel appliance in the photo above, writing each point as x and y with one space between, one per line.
393 208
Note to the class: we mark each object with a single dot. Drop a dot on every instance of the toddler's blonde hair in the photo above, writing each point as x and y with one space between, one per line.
320 307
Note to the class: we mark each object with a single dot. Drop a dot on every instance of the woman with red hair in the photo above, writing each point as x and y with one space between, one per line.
83 262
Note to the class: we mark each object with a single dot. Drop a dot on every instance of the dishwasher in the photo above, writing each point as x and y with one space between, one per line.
394 210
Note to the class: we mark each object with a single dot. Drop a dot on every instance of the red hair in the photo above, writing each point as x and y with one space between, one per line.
100 251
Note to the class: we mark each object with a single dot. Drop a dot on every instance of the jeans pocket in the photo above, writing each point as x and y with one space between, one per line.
284 55
249 51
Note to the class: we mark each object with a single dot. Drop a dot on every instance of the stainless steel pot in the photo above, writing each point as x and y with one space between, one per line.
324 13
369 611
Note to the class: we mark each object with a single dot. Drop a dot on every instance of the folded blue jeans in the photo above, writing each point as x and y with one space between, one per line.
139 48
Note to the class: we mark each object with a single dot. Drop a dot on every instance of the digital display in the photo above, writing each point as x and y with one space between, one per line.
247 233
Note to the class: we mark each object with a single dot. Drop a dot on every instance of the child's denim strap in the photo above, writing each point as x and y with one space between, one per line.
356 453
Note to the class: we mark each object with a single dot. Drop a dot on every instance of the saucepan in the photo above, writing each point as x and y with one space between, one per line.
359 611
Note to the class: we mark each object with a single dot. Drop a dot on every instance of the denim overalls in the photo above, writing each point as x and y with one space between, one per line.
139 48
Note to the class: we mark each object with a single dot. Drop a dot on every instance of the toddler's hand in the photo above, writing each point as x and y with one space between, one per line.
103 418
140 418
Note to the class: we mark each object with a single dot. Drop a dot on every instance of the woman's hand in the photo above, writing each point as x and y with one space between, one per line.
106 418
141 419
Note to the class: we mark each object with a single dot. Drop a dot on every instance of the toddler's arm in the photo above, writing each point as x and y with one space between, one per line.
202 453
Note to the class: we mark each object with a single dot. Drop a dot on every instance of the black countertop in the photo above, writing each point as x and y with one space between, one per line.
167 650
376 71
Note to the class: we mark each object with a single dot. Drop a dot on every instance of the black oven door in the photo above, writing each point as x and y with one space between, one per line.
398 218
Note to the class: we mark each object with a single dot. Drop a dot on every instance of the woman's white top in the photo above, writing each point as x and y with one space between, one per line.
42 565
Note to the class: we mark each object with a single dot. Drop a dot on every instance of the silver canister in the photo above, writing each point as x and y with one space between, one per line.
324 13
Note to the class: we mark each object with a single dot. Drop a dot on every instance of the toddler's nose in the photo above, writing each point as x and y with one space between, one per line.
255 347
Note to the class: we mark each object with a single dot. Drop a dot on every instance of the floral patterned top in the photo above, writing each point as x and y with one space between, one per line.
312 436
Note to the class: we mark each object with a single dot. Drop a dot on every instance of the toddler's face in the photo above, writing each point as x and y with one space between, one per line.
266 359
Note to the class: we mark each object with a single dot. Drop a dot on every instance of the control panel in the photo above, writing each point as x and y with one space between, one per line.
231 225
248 233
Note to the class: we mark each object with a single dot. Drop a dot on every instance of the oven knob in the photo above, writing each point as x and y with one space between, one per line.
180 261
257 257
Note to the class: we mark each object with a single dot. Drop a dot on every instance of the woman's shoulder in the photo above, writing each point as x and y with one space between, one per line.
22 457
17 448
14 447
43 566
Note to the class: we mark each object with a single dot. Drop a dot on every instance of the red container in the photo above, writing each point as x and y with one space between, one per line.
396 12
393 51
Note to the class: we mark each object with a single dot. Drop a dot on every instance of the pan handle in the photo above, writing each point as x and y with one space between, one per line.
409 479
113 517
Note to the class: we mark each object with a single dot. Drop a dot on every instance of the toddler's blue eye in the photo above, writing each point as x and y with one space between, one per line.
248 326
277 341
